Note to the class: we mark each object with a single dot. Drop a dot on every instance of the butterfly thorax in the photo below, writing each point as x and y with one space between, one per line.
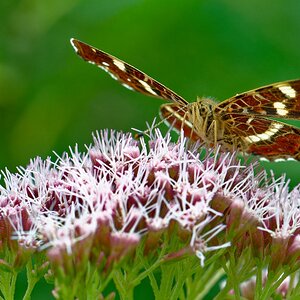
205 121
198 120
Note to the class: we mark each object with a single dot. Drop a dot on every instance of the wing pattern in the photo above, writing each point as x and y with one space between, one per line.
126 74
279 100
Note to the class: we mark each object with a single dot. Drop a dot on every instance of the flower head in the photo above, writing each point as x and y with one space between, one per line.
103 206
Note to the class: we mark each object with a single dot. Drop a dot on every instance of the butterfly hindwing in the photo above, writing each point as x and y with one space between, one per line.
261 136
175 115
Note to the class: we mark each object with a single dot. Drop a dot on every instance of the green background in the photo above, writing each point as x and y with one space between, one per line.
50 99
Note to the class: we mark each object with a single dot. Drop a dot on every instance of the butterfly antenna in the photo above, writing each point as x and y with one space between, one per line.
148 131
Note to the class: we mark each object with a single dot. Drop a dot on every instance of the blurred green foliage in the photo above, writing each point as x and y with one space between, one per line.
50 99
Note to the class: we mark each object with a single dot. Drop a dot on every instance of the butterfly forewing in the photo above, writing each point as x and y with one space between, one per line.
279 100
126 74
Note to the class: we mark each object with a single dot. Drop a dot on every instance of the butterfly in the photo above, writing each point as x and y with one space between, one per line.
243 122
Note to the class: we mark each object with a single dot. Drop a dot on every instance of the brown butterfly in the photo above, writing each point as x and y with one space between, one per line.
238 123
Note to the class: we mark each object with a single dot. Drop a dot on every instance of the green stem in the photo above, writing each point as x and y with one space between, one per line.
180 278
8 284
209 284
124 287
147 271
154 284
223 294
167 278
31 281
232 275
272 283
30 286
259 284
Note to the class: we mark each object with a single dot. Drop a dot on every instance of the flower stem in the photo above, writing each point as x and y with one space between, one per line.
216 275
124 287
8 284
259 284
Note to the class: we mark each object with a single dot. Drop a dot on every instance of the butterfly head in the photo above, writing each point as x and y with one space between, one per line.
202 108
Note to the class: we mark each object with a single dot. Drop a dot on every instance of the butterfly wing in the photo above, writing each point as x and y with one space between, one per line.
278 100
261 136
175 115
126 74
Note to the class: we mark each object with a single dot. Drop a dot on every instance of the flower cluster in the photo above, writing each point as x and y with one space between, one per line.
126 203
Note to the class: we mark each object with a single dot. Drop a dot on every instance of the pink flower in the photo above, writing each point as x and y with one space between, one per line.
123 198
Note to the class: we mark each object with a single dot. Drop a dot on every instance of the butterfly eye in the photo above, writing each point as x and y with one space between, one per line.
203 110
